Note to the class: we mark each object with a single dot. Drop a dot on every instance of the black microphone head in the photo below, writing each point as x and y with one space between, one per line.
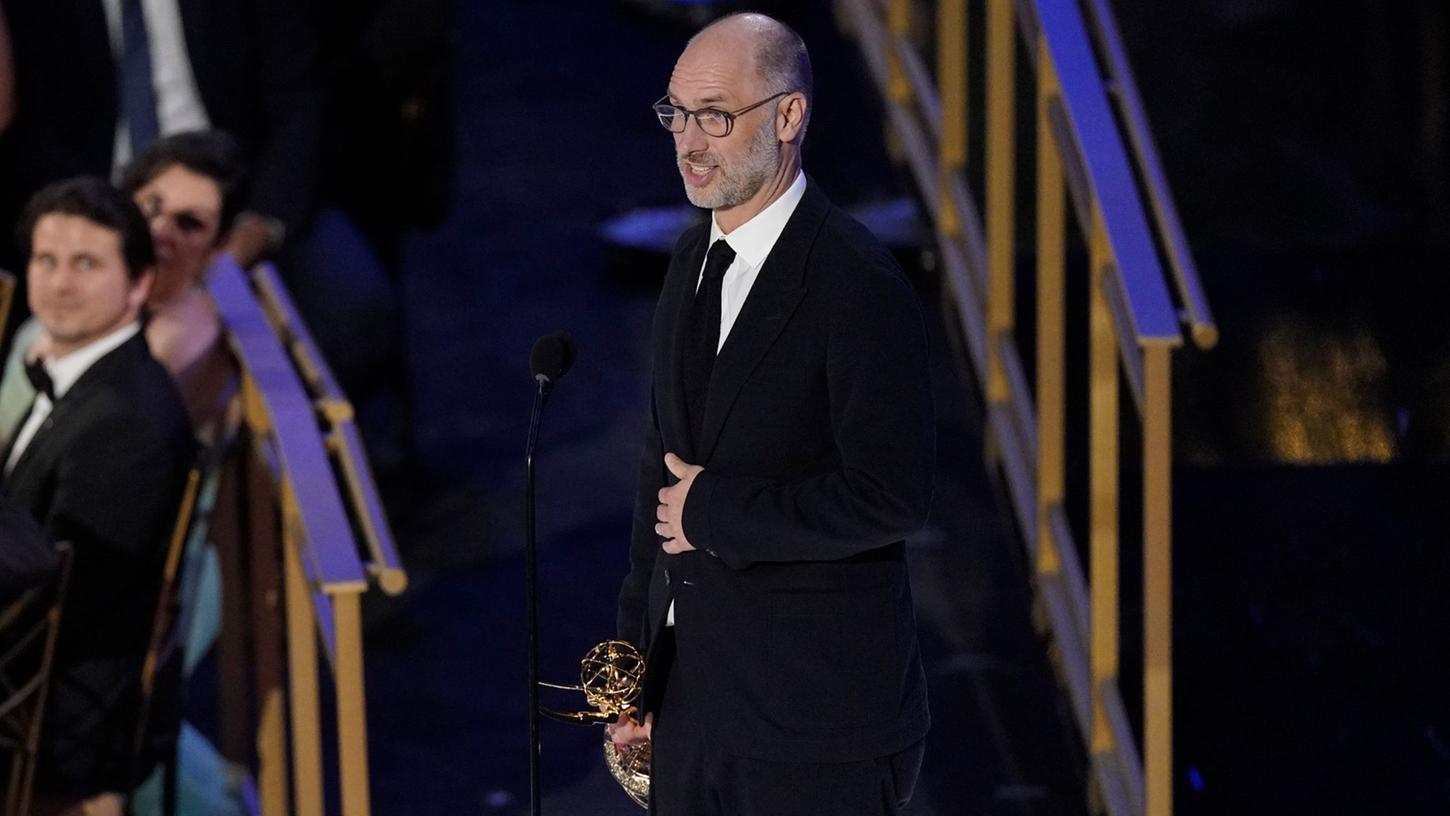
552 356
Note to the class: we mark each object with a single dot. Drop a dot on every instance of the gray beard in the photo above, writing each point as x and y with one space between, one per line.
736 186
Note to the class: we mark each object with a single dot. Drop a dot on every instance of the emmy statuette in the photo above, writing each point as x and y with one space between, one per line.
610 676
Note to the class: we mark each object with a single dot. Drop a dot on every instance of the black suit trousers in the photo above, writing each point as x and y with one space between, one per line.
692 776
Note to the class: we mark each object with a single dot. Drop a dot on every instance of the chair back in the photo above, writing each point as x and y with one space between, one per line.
7 294
28 629
161 643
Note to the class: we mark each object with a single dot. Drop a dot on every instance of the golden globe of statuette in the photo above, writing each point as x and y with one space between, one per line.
611 675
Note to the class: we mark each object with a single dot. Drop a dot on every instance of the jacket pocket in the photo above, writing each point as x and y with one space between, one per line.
832 659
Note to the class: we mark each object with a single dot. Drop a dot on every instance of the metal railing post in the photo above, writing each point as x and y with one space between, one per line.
352 733
1157 579
1051 318
898 83
266 612
951 74
897 30
302 679
1001 164
1103 488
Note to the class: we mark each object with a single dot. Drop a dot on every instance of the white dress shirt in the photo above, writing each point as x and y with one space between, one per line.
63 374
178 104
752 242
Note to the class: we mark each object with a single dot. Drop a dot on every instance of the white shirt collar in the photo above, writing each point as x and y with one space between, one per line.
753 240
65 371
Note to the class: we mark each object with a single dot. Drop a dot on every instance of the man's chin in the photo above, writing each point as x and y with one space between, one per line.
709 198
699 198
63 344
54 328
70 336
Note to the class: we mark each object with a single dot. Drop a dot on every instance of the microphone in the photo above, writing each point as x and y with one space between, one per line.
549 361
552 356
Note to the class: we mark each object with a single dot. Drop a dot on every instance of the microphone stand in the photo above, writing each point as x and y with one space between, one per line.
531 569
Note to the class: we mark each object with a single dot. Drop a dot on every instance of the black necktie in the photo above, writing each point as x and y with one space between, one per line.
704 334
40 379
138 94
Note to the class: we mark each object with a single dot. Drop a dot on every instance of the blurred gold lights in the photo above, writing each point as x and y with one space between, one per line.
1323 395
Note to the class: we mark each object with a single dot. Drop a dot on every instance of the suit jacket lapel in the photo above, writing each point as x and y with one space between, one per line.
10 445
38 443
74 400
681 295
772 299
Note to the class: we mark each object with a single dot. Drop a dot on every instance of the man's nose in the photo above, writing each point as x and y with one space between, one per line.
61 279
692 138
162 226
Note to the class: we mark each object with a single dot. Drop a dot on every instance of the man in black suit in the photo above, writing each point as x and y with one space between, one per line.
100 461
789 453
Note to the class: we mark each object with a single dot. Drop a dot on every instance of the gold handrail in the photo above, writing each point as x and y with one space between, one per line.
343 441
1084 168
1124 93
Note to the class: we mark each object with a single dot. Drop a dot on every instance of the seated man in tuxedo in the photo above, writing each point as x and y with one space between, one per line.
100 461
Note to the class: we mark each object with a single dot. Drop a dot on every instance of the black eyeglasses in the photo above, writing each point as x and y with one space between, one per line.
188 222
713 121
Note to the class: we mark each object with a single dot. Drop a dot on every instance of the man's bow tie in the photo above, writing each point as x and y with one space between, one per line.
40 379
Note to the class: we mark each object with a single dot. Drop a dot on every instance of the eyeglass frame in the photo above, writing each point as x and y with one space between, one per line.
188 222
729 115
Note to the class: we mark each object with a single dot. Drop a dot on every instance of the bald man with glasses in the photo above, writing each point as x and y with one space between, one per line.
789 453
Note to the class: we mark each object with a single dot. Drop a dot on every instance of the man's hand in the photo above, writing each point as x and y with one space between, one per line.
251 238
671 511
625 731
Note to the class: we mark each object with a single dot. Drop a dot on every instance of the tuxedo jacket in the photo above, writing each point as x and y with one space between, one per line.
26 558
256 67
794 625
105 471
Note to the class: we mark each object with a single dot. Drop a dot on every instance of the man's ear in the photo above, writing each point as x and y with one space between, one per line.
791 118
141 288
